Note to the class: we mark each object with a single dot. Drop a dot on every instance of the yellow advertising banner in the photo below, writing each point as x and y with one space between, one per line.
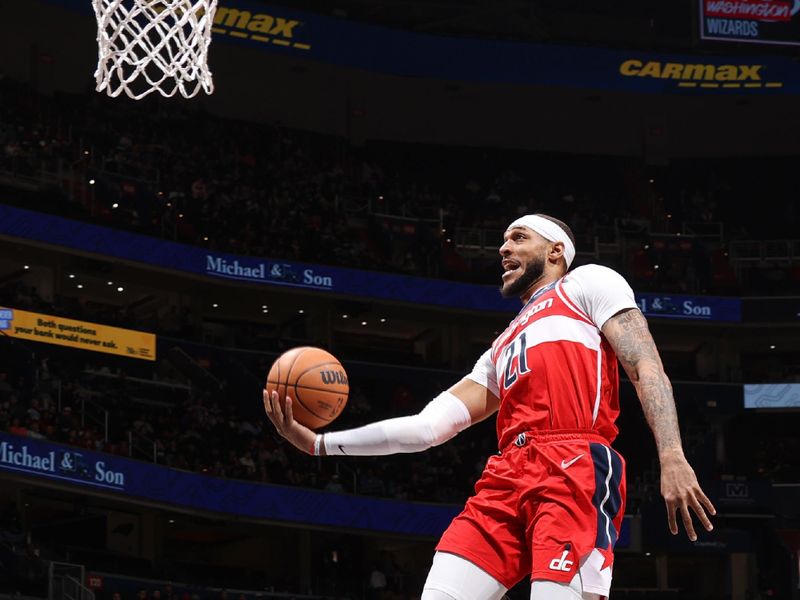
77 334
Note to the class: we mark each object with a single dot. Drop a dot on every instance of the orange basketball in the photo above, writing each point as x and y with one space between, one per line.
315 381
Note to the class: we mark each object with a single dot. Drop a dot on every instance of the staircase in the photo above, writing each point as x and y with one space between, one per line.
65 582
189 368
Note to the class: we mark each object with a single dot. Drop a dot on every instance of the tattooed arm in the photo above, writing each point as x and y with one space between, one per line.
628 334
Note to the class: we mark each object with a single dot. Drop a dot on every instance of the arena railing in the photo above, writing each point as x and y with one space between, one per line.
701 229
140 447
765 251
474 242
388 208
94 414
65 582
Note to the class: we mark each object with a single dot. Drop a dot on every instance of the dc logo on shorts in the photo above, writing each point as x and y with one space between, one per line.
561 563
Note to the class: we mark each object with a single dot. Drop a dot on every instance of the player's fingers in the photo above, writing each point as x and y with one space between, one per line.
673 523
269 408
701 514
288 417
687 522
706 502
277 410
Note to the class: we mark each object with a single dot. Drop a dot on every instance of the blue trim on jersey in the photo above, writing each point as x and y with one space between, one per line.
607 498
538 294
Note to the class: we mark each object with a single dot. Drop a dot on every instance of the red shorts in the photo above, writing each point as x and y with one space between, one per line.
542 507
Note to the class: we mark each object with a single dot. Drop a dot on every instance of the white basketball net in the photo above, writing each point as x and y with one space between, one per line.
153 45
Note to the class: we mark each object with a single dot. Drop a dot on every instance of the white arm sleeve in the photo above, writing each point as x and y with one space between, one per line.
442 418
598 291
485 374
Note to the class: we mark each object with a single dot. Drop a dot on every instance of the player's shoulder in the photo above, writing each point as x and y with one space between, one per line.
599 291
593 275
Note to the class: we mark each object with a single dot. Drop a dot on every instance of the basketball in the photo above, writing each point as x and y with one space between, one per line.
315 381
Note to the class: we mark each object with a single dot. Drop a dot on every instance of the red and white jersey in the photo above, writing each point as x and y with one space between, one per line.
552 368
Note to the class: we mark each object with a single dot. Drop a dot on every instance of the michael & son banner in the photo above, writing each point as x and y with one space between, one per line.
697 308
20 223
108 473
77 235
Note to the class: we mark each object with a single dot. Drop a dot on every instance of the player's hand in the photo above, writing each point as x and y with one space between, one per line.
682 494
300 436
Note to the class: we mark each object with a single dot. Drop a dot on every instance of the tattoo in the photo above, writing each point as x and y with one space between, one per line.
628 334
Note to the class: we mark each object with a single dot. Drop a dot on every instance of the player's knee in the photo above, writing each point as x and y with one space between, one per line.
455 578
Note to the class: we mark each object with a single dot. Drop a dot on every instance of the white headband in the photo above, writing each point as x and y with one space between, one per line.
549 231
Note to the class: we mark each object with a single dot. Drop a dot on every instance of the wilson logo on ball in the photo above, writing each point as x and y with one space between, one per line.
329 377
316 382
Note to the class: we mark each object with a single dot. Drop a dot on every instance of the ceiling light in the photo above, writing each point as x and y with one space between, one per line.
80 286
109 283
115 205
363 322
383 319
301 311
91 182
264 306
345 316
215 305
26 267
120 289
71 276
772 346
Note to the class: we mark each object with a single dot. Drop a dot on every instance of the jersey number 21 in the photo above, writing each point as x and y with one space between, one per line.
516 361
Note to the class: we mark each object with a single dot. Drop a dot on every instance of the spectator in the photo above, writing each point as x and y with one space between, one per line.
377 584
334 485
17 428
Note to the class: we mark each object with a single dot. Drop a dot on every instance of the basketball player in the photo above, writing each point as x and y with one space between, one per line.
550 504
